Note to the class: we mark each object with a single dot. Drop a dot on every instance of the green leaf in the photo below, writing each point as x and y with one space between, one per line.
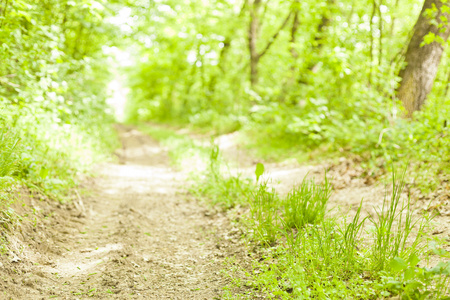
439 251
442 268
214 154
259 170
43 173
398 264
409 274
429 38
413 260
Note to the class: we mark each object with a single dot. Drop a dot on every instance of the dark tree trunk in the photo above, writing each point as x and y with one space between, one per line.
324 22
422 61
294 30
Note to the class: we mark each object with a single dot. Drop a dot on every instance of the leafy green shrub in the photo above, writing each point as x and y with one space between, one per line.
409 281
53 85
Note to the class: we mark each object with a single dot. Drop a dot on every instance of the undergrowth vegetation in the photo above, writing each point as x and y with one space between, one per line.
318 79
303 250
306 253
54 120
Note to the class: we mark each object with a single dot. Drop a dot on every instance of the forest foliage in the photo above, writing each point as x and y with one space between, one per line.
327 75
296 78
54 121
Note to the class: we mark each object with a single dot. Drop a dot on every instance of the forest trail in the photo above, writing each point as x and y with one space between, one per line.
137 237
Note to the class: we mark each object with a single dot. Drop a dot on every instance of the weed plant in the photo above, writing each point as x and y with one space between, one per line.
306 204
394 225
264 205
225 192
350 233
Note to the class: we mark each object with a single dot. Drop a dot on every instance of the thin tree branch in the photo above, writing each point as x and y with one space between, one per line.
447 87
243 7
393 18
274 37
266 5
294 29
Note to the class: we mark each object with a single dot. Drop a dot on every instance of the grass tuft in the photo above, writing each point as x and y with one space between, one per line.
306 204
394 227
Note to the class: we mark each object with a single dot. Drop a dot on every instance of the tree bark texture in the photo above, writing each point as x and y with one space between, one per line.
422 61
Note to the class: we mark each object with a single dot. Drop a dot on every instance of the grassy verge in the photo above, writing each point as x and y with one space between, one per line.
45 159
301 252
306 254
379 145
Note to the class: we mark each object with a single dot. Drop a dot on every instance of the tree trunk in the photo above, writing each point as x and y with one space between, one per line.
319 42
422 61
294 30
252 38
324 22
254 28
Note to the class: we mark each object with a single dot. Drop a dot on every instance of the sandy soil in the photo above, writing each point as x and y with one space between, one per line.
137 236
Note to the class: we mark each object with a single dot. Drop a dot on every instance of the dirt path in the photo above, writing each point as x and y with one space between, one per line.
136 237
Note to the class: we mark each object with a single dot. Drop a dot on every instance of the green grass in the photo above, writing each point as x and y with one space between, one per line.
9 152
394 225
380 145
306 204
47 160
309 255
264 203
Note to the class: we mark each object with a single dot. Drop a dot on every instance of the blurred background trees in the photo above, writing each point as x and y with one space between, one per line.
53 78
232 57
298 75
329 77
